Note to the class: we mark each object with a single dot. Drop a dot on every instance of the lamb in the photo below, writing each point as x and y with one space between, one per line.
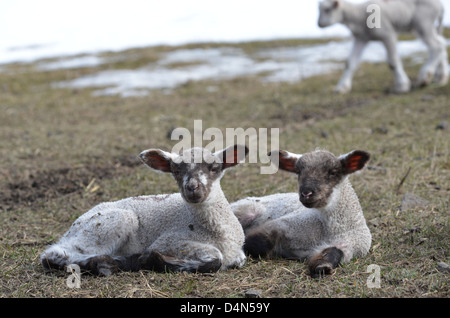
326 227
194 230
394 16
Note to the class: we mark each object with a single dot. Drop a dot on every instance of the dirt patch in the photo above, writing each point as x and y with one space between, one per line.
45 185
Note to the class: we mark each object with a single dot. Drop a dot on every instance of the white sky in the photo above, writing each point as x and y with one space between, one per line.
31 29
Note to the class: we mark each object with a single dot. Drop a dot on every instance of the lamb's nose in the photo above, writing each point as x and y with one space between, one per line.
193 186
306 195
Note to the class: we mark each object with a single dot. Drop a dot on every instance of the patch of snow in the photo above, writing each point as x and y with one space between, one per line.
288 64
212 63
76 62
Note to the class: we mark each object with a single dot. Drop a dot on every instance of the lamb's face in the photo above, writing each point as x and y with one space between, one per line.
320 172
196 169
318 175
195 172
329 13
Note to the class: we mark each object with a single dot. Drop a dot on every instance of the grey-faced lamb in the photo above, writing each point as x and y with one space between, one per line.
323 223
394 16
194 230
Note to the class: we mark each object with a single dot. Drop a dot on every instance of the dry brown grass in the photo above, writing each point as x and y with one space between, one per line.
63 151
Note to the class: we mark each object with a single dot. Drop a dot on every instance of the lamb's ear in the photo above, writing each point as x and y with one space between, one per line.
286 159
354 161
232 155
157 159
335 4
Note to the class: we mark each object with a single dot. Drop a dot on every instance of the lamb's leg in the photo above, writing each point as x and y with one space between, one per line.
105 265
436 63
92 241
58 258
292 236
442 72
324 262
402 84
189 256
345 83
101 265
55 257
158 262
259 244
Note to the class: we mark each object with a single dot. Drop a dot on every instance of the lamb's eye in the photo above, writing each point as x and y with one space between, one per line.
333 172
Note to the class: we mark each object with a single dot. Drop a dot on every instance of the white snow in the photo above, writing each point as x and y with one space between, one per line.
74 32
83 61
288 64
219 63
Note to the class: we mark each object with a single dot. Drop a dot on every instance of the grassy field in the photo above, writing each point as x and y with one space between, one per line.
63 151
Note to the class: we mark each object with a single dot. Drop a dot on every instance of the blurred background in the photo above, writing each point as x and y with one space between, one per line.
40 29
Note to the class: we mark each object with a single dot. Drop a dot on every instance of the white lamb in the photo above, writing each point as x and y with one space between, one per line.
325 227
394 16
194 230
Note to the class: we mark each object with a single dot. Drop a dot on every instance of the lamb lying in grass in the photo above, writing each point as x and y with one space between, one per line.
394 16
194 230
325 227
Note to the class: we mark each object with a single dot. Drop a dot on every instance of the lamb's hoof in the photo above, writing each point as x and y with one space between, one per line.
50 265
402 88
325 262
105 271
342 89
322 270
240 261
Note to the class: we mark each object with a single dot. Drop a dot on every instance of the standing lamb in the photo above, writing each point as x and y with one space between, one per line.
194 230
325 227
394 16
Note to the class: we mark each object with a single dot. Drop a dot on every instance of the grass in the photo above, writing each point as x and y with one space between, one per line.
63 151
